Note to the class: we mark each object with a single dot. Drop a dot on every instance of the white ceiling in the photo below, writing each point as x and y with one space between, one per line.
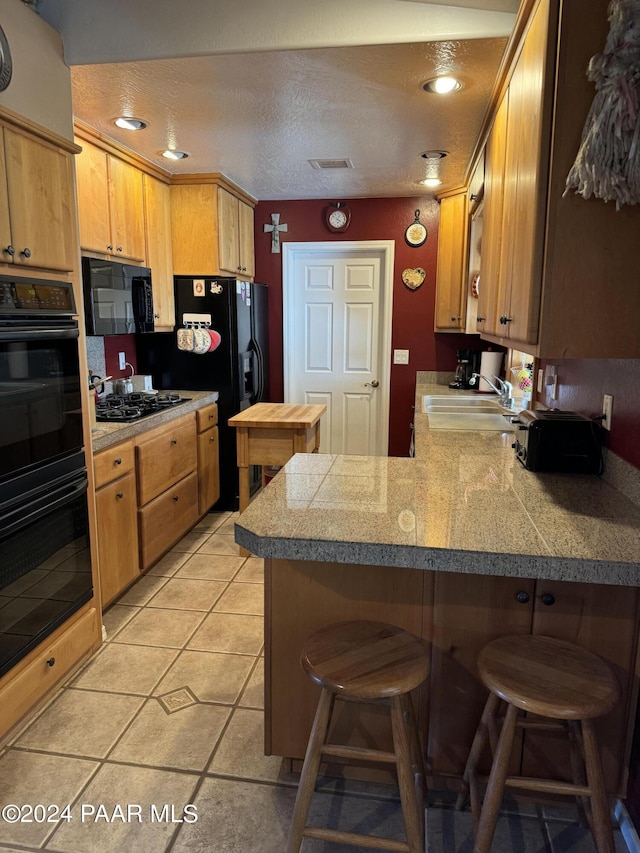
256 90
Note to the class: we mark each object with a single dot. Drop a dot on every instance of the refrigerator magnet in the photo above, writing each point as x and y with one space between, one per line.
215 288
198 287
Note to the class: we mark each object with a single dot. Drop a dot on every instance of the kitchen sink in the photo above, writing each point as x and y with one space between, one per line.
466 413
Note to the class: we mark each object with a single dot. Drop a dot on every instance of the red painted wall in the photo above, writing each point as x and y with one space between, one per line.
413 311
582 383
114 344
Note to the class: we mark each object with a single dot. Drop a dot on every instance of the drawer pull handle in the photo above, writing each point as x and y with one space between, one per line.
176 498
174 441
9 250
120 495
118 461
522 597
26 252
548 599
110 247
211 440
211 417
51 661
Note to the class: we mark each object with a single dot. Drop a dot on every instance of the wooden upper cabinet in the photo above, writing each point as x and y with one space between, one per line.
211 228
126 209
36 203
451 281
487 319
524 181
110 205
157 220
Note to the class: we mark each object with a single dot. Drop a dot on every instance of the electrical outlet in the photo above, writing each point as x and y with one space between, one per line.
540 380
401 356
122 360
607 408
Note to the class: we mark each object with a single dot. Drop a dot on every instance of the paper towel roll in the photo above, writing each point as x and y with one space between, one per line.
490 366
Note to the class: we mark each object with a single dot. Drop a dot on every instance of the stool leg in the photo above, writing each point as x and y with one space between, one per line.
310 769
417 757
495 788
478 745
413 814
602 832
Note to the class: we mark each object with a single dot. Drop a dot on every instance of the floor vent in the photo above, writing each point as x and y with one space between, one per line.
344 163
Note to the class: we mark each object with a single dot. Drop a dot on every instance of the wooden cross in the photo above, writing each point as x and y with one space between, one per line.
274 229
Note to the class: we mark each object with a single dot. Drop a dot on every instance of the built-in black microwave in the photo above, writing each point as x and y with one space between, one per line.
118 298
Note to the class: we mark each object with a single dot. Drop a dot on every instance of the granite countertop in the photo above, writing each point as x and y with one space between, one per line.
105 435
463 504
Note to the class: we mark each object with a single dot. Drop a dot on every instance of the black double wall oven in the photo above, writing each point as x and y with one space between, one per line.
45 565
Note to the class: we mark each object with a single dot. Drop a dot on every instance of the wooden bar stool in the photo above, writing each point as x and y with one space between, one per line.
365 661
553 679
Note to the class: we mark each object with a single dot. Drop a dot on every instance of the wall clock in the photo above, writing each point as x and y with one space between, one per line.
6 66
416 233
337 217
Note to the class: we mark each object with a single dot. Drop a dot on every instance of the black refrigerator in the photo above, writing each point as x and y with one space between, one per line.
238 369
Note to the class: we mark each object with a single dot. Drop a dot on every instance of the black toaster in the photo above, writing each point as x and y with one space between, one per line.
558 441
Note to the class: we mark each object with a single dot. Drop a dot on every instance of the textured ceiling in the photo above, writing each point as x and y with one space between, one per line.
260 117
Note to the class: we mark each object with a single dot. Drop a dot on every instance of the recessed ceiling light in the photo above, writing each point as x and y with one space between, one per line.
434 155
172 154
128 123
442 85
431 182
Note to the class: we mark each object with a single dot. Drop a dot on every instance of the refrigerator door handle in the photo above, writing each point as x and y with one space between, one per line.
260 358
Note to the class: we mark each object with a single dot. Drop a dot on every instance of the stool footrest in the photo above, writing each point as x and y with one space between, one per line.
358 753
540 725
374 842
548 786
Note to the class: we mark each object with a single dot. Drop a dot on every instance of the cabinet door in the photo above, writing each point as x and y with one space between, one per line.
117 537
5 225
93 199
41 202
451 291
194 229
208 470
247 242
228 233
126 209
524 208
490 272
602 619
469 612
157 219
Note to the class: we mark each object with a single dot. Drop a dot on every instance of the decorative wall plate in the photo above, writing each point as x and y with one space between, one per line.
413 278
6 65
416 233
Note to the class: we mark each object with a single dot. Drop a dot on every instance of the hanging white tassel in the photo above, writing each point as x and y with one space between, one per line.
607 165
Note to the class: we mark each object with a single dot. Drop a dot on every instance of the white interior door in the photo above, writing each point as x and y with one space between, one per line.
337 339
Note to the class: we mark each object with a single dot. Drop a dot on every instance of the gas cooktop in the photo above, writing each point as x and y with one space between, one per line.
116 408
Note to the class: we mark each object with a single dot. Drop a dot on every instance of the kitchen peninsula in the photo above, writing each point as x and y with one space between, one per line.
459 545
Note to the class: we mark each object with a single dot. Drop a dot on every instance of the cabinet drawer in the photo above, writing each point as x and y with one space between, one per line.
167 455
21 692
207 417
112 463
166 519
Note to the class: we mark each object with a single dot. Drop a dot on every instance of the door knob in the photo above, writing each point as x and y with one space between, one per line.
9 250
373 384
26 253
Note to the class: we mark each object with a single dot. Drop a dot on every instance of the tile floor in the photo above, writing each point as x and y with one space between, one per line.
169 712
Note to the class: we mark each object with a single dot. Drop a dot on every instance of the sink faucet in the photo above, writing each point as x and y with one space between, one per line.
504 389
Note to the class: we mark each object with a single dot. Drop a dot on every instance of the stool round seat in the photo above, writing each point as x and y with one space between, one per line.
365 660
549 677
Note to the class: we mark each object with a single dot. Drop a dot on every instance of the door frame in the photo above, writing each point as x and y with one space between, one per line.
386 250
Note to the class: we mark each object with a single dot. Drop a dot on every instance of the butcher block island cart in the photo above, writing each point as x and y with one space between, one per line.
459 546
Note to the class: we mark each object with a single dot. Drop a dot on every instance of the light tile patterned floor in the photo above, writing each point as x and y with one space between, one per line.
169 712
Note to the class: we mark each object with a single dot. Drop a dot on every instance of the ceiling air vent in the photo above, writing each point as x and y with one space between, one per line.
344 163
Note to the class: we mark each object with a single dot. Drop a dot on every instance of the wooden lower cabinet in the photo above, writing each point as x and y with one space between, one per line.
163 521
35 676
208 470
456 614
117 509
164 456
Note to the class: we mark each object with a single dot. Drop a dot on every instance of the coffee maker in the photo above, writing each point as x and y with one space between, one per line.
468 364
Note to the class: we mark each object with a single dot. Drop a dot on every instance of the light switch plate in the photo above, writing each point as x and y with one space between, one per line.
401 356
